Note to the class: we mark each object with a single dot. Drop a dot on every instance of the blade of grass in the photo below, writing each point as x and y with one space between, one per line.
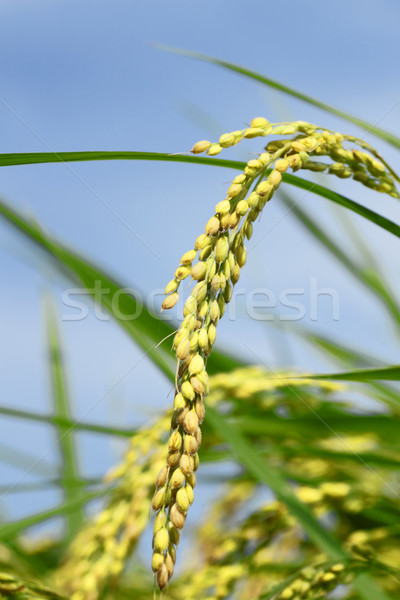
69 468
270 476
385 427
390 373
369 127
65 423
35 158
354 358
46 157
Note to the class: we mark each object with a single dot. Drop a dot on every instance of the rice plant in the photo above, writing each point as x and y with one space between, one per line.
312 507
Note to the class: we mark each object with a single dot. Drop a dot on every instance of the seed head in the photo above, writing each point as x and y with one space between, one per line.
200 147
156 561
189 492
259 122
188 257
216 283
196 365
169 563
194 341
173 458
212 333
161 540
212 226
263 188
226 140
159 521
234 220
214 311
202 309
175 441
189 323
187 390
223 207
234 190
242 207
177 517
181 273
241 255
172 286
190 444
158 499
162 477
221 304
170 301
199 270
199 291
294 162
186 464
252 132
222 249
177 479
191 479
229 290
235 276
275 178
179 402
197 384
183 350
214 149
182 499
281 165
174 533
191 422
253 199
298 146
162 576
196 461
249 230
200 410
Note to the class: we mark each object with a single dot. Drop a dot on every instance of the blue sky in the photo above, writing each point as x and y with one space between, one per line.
85 76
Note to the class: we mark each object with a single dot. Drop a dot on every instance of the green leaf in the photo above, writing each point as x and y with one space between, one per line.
370 127
34 158
62 422
391 373
61 403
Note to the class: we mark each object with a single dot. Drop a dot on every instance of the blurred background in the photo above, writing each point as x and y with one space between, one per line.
86 76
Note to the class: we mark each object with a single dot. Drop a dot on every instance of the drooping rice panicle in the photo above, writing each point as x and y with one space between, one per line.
221 256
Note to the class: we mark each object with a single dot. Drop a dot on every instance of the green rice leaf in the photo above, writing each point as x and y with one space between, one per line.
369 127
69 467
390 373
66 423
